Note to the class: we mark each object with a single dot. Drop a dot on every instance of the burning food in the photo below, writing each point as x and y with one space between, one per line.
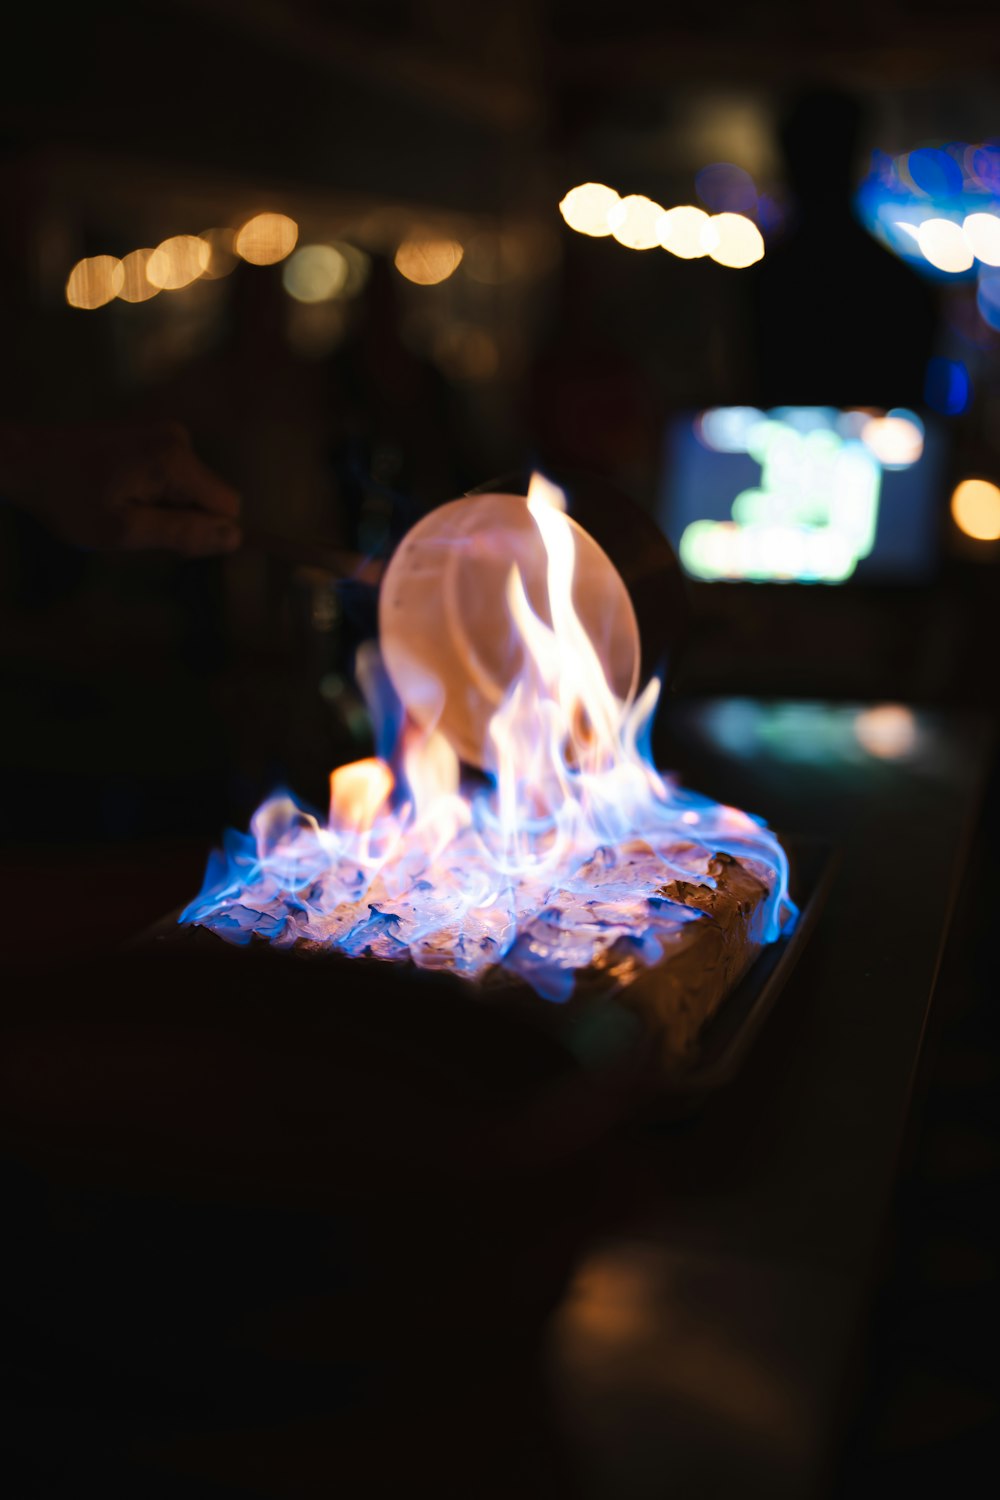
573 866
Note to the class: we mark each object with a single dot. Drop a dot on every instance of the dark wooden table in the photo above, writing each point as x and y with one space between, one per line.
677 1312
709 1346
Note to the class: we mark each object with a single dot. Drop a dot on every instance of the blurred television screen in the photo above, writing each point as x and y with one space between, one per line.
803 494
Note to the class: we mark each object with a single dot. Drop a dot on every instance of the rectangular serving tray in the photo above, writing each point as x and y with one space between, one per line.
728 1037
378 987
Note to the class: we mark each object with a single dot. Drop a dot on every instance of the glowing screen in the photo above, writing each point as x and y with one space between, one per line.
801 494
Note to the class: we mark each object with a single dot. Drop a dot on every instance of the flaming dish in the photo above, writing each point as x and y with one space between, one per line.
515 831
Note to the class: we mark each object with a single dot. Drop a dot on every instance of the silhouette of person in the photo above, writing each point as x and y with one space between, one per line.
839 320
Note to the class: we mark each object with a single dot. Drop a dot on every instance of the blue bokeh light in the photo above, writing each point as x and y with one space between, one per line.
935 173
947 387
726 188
988 298
918 205
986 167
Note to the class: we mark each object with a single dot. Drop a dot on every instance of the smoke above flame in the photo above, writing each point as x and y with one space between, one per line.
557 863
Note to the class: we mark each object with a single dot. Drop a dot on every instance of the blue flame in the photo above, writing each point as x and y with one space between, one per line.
290 881
576 854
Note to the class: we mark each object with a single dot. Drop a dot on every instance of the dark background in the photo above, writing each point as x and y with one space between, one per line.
187 691
149 701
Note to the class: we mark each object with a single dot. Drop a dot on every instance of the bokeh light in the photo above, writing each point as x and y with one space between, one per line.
938 208
266 239
729 429
944 246
986 167
975 509
982 235
934 172
725 188
812 511
315 273
136 285
732 240
897 439
94 281
681 229
222 257
771 214
947 386
427 262
359 267
887 732
635 222
177 262
586 208
988 298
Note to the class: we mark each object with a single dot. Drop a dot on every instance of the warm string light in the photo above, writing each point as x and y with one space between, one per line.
266 239
639 223
427 261
136 285
95 281
316 273
319 278
180 260
312 274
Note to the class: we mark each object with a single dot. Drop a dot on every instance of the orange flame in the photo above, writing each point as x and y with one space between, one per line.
358 793
564 854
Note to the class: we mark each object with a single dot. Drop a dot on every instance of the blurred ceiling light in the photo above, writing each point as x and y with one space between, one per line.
680 231
587 208
982 234
94 281
975 509
136 285
944 246
635 222
315 273
732 240
897 439
177 262
428 261
267 238
222 256
913 230
888 732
